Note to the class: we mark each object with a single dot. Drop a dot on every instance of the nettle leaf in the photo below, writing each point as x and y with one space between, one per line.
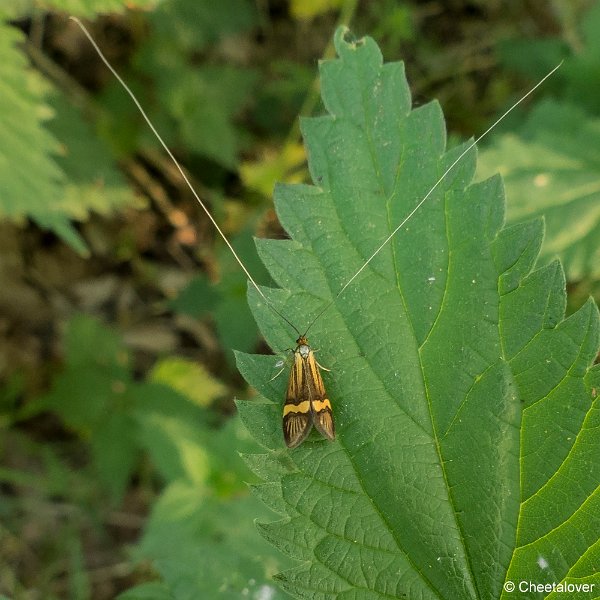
551 168
465 405
26 147
207 547
71 179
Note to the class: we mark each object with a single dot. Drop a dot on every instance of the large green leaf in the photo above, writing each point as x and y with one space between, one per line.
467 424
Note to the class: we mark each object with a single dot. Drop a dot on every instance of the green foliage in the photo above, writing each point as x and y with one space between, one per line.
80 8
70 180
578 81
465 402
188 378
201 537
208 548
551 169
78 176
195 25
96 396
27 147
226 300
93 397
202 102
550 165
92 183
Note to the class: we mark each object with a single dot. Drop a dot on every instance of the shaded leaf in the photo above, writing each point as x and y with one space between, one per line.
185 443
71 179
226 300
201 554
147 591
551 168
201 102
193 25
91 8
577 81
93 396
93 183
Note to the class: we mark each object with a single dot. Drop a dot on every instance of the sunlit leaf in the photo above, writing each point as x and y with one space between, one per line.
551 169
189 378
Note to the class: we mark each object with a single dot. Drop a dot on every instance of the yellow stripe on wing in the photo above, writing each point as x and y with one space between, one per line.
302 407
319 405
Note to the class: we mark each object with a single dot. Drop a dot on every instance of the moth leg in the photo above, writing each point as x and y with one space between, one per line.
320 365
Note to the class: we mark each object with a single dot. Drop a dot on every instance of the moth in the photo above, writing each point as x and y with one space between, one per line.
306 401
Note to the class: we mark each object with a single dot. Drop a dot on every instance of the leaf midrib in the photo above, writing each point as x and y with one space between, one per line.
434 438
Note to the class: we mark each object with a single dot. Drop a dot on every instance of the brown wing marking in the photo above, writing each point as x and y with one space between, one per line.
306 402
297 417
323 418
321 407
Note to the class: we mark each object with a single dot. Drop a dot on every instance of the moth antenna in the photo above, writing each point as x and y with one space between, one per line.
180 169
428 194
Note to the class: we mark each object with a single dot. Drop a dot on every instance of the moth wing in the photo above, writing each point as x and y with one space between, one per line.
297 416
320 405
296 426
323 421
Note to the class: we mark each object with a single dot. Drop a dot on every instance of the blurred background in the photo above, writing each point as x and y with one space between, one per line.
119 304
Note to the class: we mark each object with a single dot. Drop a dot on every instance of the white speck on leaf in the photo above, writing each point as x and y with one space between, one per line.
265 592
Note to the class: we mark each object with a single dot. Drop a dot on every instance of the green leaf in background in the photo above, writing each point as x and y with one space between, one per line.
86 8
208 548
225 301
309 9
93 183
201 536
93 397
551 169
578 80
550 163
189 378
204 100
148 591
96 396
204 105
27 147
193 24
464 401
71 179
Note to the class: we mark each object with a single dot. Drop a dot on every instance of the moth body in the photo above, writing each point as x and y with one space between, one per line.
306 401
